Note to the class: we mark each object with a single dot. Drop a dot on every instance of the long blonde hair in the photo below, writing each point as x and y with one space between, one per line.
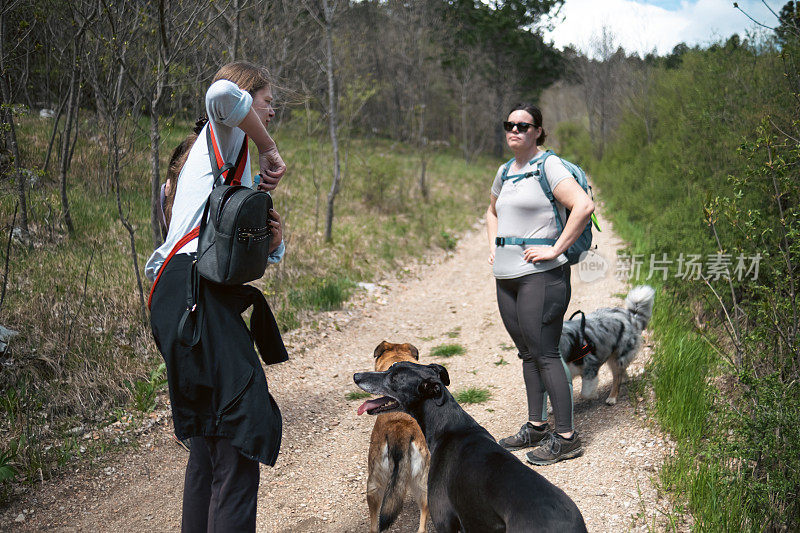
246 75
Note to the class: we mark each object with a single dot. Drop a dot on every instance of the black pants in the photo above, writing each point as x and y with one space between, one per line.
220 489
532 308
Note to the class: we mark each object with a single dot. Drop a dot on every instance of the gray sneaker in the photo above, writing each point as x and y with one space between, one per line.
526 437
556 449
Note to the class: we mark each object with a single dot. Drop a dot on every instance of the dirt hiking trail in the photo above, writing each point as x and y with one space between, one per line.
319 482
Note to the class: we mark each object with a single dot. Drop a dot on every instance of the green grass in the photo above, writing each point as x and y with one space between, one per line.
447 241
357 395
472 395
145 391
680 367
322 295
455 332
447 350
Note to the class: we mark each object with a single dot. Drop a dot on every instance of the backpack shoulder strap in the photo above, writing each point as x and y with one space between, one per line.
506 166
218 165
548 192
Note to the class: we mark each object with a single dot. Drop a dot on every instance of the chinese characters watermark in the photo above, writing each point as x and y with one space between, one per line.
711 267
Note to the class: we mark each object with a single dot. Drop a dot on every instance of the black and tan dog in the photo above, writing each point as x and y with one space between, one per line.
398 456
474 484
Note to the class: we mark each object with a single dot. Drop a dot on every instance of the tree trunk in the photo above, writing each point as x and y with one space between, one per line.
11 136
423 154
66 146
464 134
155 177
56 122
332 101
314 180
155 193
162 68
8 115
235 30
499 135
114 153
127 225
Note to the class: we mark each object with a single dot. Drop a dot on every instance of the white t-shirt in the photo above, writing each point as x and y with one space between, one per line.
226 106
524 211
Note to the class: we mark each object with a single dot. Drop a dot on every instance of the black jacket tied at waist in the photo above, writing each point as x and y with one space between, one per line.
217 386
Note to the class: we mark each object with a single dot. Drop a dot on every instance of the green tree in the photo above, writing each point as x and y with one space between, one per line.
518 61
788 29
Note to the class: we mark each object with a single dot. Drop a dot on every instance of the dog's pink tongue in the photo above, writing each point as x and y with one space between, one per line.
370 404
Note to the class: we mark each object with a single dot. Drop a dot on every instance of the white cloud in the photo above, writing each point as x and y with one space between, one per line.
641 27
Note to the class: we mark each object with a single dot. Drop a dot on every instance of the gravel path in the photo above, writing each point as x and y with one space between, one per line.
319 482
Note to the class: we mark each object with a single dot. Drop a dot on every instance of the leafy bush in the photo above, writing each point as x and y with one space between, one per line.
7 470
715 168
146 391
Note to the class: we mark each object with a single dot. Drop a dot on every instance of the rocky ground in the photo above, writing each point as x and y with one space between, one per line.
319 482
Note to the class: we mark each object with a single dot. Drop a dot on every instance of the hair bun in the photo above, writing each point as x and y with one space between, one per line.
201 122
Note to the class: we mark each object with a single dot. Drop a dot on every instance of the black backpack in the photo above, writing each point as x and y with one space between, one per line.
234 239
233 242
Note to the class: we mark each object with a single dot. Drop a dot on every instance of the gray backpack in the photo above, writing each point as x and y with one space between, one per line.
234 231
233 242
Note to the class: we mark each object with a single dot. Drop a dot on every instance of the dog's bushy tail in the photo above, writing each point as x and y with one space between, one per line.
640 304
400 465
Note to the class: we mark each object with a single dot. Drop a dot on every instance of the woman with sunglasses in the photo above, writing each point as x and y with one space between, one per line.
533 278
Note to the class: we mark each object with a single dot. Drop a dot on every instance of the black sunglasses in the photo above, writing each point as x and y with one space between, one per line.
522 127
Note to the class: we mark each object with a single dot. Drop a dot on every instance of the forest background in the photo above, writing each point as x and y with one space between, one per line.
389 117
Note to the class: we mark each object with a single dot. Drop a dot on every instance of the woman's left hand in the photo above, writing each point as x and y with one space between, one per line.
535 254
277 230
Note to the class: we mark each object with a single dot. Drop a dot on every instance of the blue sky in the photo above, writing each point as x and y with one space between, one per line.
643 25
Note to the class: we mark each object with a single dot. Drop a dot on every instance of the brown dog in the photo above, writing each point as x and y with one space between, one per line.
398 455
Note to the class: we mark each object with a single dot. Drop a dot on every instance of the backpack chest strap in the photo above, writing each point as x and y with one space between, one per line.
517 241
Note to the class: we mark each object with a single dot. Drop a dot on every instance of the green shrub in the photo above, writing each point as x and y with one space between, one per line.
711 169
146 391
7 470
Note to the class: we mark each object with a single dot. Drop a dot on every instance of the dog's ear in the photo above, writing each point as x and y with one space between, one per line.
444 377
382 347
413 349
430 389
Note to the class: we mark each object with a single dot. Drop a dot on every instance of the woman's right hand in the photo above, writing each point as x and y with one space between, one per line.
272 169
491 256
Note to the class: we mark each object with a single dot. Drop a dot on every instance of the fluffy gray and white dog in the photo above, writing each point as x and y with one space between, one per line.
613 335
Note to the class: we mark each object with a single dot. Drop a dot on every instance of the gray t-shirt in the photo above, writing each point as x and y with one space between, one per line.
524 211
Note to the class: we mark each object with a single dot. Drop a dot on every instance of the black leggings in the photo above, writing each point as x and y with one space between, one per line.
532 308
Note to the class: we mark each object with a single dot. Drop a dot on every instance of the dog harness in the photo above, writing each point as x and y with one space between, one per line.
195 232
583 347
